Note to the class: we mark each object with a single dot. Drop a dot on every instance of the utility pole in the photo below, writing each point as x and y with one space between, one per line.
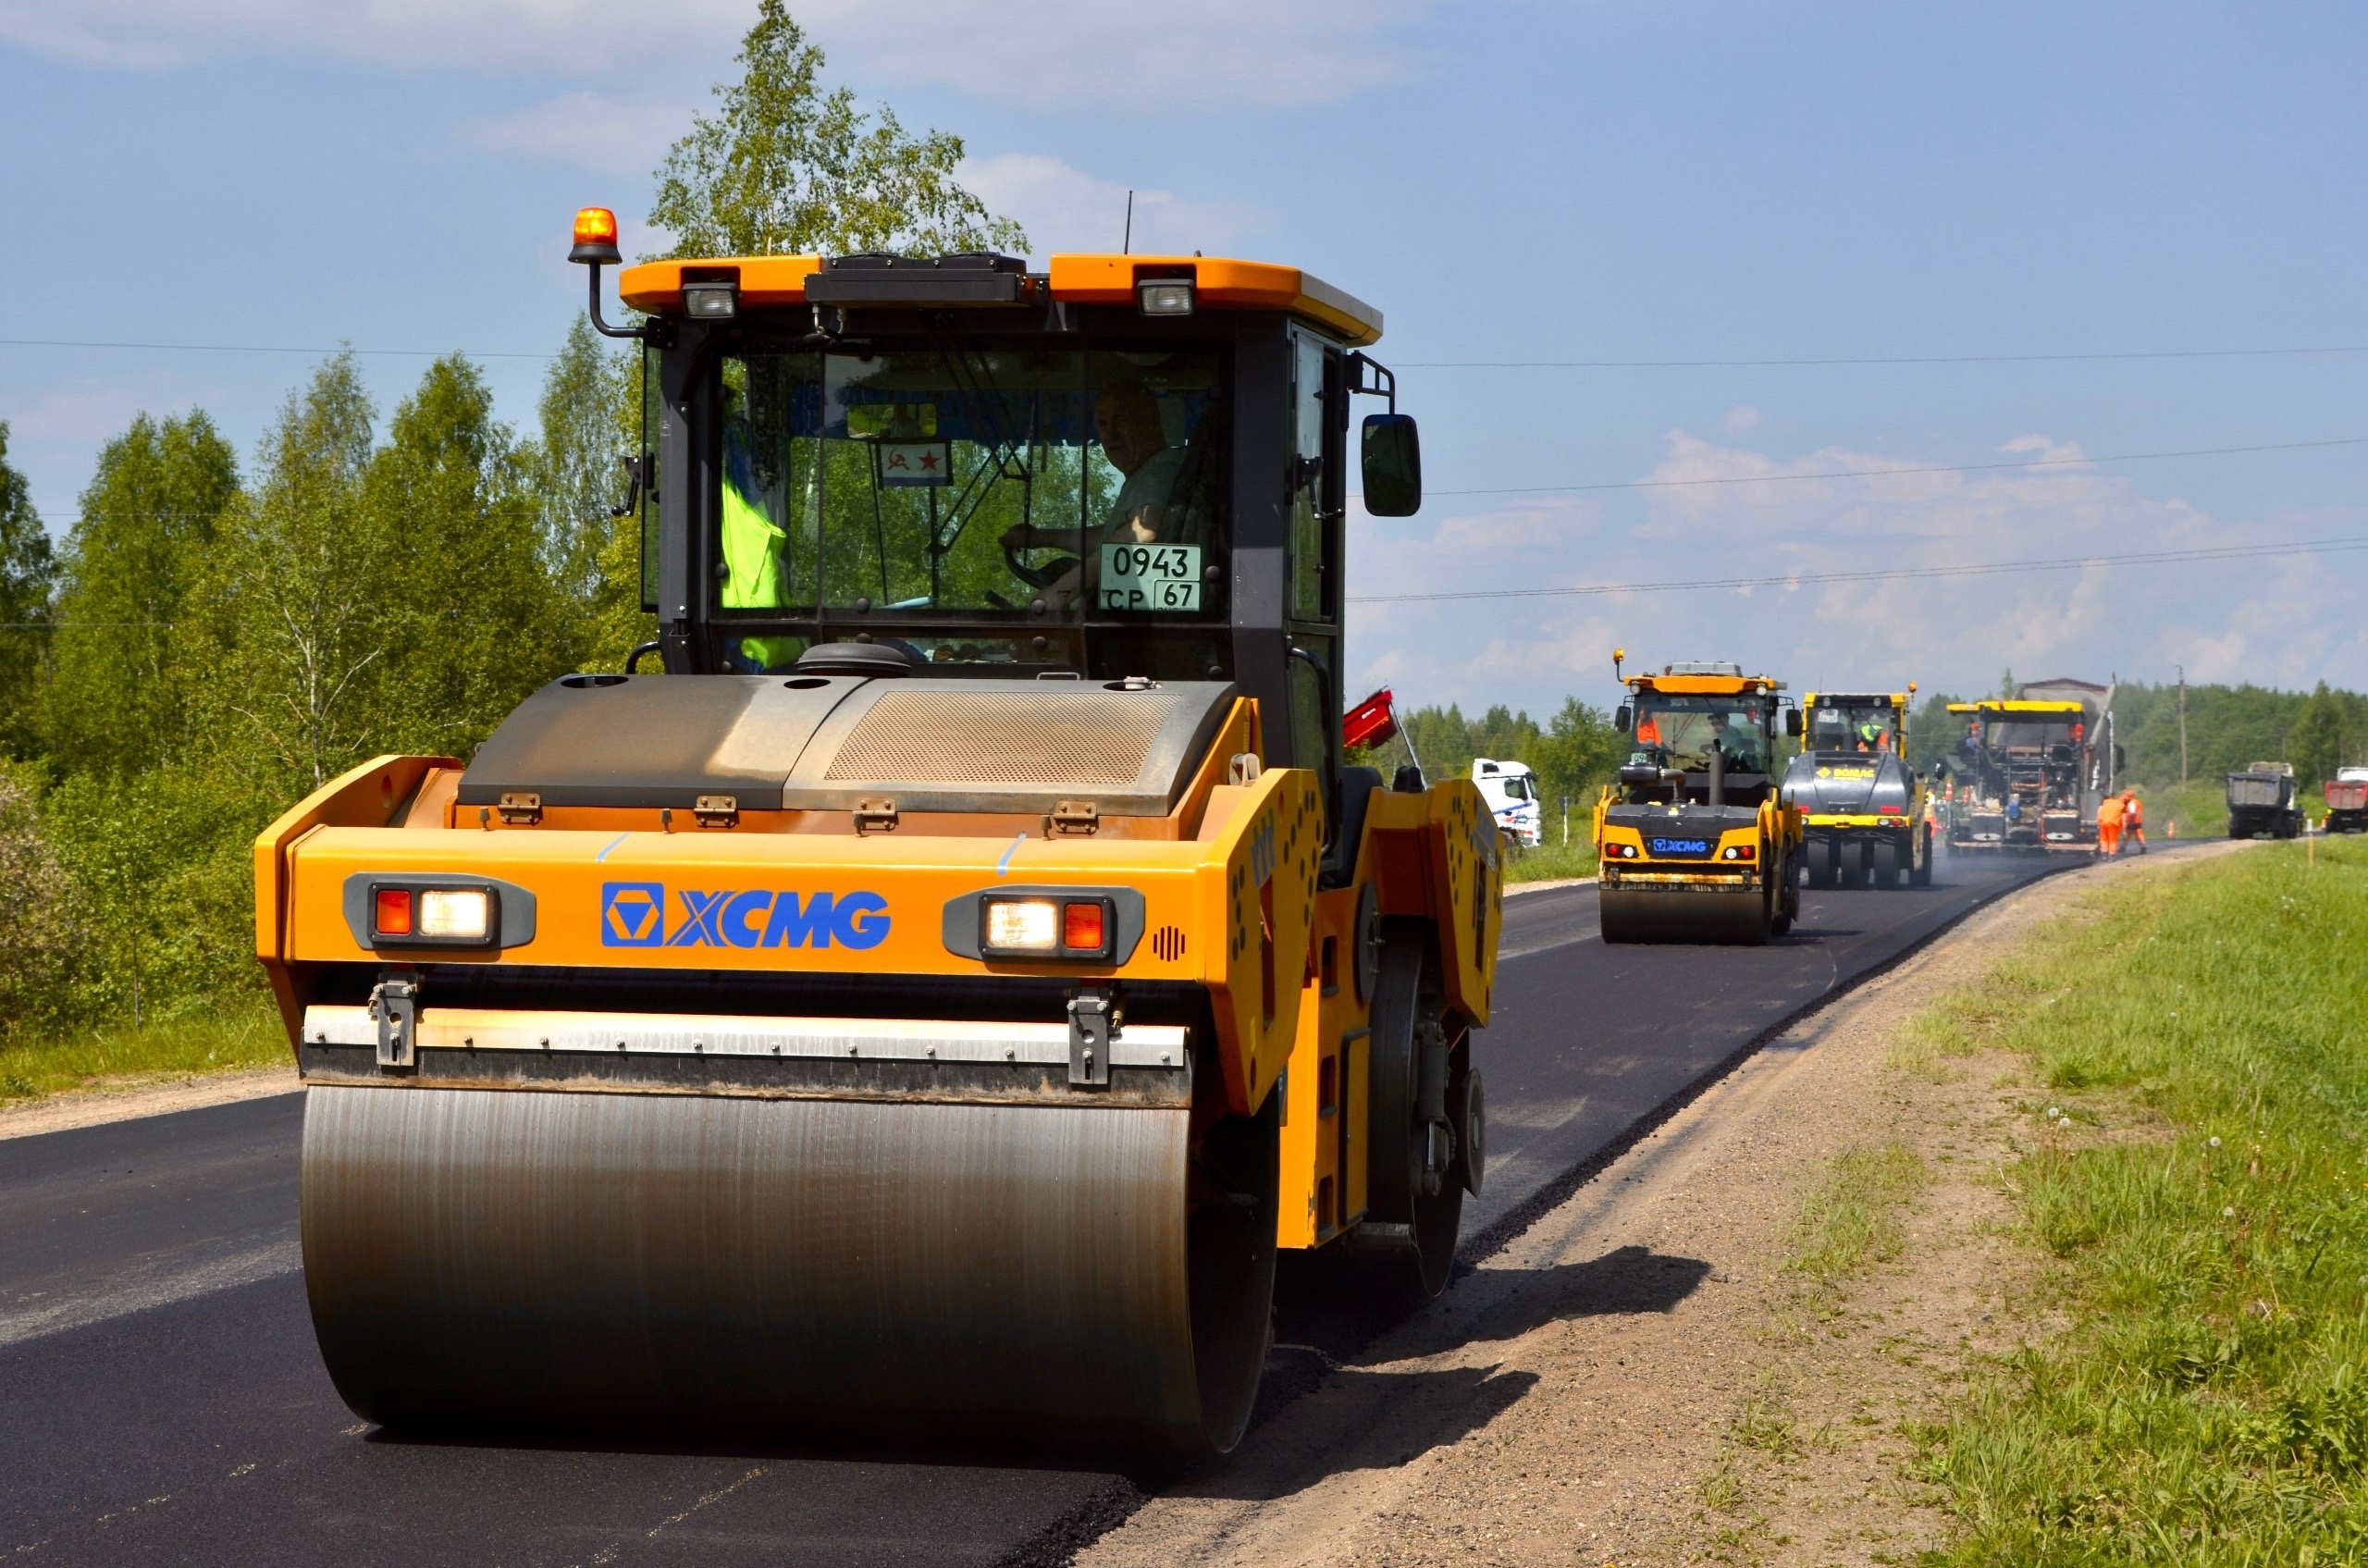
2182 669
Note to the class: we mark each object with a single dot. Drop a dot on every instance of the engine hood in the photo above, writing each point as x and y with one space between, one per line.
1853 783
827 743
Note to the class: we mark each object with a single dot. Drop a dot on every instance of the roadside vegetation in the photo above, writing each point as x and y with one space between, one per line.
2197 1178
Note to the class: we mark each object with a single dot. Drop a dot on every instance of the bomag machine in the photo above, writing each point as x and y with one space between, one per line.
919 1009
1694 840
1862 806
2030 778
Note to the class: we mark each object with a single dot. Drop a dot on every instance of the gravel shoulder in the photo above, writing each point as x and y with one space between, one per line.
1641 1378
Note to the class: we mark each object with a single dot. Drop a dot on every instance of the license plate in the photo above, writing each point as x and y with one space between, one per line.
1152 578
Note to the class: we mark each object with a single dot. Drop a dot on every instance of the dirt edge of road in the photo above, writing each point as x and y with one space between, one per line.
1712 1351
146 1097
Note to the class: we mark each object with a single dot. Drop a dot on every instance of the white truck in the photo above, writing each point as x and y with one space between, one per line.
1510 789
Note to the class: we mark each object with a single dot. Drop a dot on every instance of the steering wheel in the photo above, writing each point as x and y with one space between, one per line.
1041 577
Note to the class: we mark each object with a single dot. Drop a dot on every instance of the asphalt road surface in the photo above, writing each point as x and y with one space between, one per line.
162 1402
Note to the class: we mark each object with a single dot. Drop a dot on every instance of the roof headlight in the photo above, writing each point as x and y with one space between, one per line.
712 300
1164 296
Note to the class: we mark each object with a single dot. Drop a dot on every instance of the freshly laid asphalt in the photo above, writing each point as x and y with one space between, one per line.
162 1402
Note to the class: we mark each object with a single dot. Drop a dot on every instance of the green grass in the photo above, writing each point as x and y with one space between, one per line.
1551 861
2208 1403
236 1035
1849 1219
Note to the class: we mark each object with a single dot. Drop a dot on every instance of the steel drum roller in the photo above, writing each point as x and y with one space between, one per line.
1660 915
804 1269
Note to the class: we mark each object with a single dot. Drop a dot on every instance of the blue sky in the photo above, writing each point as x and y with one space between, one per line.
1512 181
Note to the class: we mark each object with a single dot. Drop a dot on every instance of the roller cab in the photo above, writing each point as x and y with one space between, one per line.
1864 817
1695 841
917 1001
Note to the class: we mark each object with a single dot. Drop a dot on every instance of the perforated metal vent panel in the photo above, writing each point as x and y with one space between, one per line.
1086 738
998 744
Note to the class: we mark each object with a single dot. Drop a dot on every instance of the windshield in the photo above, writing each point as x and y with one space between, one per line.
1018 492
1683 730
1853 727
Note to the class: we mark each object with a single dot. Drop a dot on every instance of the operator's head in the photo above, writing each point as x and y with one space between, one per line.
1126 418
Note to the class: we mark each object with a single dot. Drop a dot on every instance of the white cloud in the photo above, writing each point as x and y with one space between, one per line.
1273 52
2286 621
1739 419
1063 209
610 135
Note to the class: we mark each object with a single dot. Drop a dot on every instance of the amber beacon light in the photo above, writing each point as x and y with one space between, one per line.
596 237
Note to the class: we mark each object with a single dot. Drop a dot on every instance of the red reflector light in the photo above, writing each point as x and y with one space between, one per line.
1887 810
1746 852
1081 927
393 918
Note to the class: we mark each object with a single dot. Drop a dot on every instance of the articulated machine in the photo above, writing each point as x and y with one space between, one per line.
1694 840
923 1010
1862 806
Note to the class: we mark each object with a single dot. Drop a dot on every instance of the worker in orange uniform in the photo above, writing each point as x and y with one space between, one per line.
2109 825
2133 818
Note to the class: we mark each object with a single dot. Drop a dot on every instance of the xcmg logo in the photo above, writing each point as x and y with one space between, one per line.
633 914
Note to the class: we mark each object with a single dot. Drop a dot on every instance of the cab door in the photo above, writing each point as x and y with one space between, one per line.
1316 561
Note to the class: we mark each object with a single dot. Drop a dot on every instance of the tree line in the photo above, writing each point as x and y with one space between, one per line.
211 638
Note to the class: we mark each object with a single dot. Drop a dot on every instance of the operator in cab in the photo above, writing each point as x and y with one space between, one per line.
1134 438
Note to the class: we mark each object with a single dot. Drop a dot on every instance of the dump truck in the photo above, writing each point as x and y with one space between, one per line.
916 998
2029 778
2347 800
1694 840
2263 803
1863 817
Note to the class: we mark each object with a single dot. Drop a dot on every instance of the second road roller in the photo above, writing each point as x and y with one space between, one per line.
1862 804
919 997
1694 840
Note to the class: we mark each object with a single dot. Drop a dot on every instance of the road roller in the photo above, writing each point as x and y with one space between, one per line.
1694 840
917 998
1863 806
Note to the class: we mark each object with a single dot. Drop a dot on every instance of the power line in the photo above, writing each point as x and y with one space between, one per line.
1888 473
1879 359
260 348
1896 573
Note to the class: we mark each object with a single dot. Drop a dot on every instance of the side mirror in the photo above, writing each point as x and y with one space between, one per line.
1393 465
1792 723
1624 719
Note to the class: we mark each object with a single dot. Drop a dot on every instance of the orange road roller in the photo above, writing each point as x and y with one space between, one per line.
1694 838
916 999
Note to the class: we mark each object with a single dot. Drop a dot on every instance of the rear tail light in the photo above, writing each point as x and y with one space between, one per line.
1082 927
417 916
1046 927
1740 852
